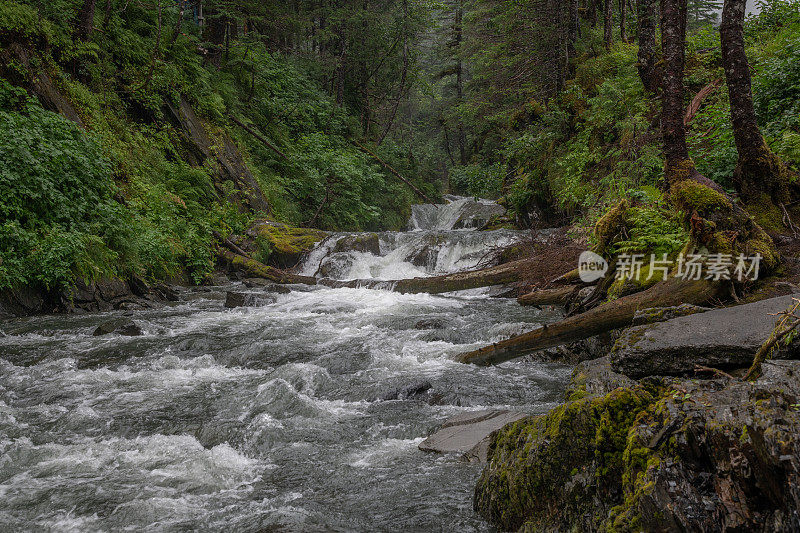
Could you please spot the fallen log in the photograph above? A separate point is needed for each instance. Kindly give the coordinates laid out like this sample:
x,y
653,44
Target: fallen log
x,y
472,279
557,296
257,269
610,315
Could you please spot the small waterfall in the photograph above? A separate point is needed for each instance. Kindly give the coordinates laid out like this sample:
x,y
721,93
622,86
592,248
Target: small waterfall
x,y
441,239
458,213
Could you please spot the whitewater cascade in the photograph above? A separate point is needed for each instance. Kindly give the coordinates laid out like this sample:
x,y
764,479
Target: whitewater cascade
x,y
441,239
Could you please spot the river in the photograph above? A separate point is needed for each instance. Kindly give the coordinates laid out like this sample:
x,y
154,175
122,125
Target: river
x,y
280,417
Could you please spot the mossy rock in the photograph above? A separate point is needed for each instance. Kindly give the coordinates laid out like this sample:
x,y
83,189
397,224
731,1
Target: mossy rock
x,y
549,472
665,455
287,243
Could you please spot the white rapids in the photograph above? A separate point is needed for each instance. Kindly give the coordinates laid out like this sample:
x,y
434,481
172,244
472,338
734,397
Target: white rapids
x,y
282,417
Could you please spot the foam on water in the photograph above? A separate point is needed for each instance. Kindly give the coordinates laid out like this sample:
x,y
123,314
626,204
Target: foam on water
x,y
264,418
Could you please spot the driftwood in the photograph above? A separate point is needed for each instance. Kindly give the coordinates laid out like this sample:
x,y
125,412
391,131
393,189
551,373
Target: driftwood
x,y
260,270
697,101
610,315
557,296
472,279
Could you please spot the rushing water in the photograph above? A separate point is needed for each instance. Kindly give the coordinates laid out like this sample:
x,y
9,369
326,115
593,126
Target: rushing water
x,y
262,418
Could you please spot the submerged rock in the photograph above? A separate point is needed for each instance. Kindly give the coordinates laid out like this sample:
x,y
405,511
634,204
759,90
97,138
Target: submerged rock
x,y
660,455
120,326
246,299
469,433
266,285
413,390
722,338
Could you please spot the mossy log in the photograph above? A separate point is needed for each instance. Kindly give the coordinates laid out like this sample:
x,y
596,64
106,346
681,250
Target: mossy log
x,y
557,296
260,270
472,279
610,315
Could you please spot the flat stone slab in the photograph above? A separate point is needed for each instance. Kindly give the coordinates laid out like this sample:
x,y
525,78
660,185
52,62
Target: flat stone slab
x,y
722,338
468,433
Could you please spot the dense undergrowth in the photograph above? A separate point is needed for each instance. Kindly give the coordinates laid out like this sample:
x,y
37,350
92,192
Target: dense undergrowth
x,y
597,141
121,195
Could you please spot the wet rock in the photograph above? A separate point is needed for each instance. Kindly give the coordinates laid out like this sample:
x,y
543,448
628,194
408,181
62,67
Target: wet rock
x,y
659,314
363,242
477,214
121,326
220,278
722,338
165,292
244,299
660,455
430,323
407,392
110,289
469,433
573,353
138,286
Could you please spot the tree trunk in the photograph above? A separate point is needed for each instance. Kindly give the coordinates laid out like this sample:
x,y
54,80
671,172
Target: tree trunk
x,y
593,12
610,315
648,71
85,22
716,224
259,270
460,136
557,296
608,15
623,13
572,36
759,171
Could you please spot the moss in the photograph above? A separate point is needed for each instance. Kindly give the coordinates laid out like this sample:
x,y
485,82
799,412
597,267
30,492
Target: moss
x,y
690,196
765,213
290,240
574,454
609,226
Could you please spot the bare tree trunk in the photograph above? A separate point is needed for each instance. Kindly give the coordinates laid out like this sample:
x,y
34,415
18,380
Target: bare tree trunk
x,y
623,13
593,12
758,171
177,30
648,71
673,37
85,22
572,29
608,14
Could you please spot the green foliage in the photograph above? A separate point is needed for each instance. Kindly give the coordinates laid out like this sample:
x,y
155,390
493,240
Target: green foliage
x,y
480,181
653,230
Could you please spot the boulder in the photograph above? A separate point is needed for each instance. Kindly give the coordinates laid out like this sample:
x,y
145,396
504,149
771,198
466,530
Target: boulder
x,y
722,338
245,299
468,433
662,455
368,243
595,377
430,323
120,326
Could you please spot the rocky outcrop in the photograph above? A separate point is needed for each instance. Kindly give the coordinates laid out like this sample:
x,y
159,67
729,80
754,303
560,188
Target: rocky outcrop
x,y
469,433
287,244
659,455
723,338
202,142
